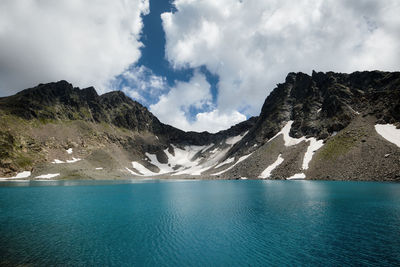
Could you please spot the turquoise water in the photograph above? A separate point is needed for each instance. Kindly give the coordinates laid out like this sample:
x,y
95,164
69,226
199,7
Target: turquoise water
x,y
197,223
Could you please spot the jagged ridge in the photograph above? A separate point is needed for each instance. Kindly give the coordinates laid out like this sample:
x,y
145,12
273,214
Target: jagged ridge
x,y
340,109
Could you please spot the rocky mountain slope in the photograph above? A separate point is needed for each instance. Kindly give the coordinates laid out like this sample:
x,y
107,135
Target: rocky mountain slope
x,y
323,126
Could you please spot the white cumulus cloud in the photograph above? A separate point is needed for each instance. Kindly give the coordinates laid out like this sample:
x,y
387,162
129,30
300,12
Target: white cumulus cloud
x,y
252,45
215,121
84,42
174,108
140,83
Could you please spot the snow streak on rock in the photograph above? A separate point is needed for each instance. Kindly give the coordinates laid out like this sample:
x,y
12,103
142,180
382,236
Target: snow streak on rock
x,y
233,140
227,161
231,167
267,172
289,141
314,146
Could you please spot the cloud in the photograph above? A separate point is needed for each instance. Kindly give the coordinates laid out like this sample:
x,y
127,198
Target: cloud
x,y
140,83
252,45
84,42
249,45
184,98
215,121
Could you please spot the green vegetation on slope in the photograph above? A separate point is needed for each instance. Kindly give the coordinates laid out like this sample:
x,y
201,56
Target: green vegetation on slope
x,y
341,143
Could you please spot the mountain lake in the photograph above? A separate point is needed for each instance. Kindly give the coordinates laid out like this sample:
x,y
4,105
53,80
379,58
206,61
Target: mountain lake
x,y
199,223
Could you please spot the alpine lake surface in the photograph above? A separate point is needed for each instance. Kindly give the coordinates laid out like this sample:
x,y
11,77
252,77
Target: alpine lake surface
x,y
199,223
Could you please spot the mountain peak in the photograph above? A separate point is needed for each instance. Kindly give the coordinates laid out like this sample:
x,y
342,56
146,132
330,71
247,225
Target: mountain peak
x,y
324,103
117,98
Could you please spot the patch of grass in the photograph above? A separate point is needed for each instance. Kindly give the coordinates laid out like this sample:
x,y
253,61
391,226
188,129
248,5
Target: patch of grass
x,y
85,113
124,130
105,125
23,161
272,145
341,144
6,144
42,121
11,121
18,150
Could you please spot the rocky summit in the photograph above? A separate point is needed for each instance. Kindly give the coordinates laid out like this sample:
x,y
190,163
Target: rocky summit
x,y
325,126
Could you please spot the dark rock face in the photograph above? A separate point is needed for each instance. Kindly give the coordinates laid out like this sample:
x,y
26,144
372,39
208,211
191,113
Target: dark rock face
x,y
62,101
327,102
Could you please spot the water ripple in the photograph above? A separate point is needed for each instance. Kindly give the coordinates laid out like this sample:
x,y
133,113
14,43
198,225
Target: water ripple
x,y
213,223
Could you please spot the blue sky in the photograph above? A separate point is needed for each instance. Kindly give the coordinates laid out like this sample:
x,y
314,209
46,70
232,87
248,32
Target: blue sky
x,y
197,65
153,58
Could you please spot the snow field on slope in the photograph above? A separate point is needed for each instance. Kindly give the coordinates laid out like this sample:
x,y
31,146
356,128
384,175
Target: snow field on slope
x,y
389,132
184,158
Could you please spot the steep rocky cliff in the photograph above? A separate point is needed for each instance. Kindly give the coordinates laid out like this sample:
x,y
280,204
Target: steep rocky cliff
x,y
342,111
323,126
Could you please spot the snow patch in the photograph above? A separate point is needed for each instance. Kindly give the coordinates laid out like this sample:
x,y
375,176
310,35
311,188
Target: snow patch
x,y
289,141
297,176
207,147
389,132
215,150
196,170
243,178
132,172
314,146
199,168
143,170
164,168
20,175
73,160
24,174
184,157
231,167
100,168
227,161
185,160
48,176
233,140
69,150
267,172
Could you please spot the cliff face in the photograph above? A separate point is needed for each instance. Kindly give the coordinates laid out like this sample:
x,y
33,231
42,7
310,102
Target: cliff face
x,y
342,111
330,117
327,102
61,101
